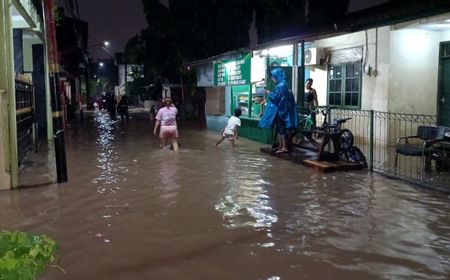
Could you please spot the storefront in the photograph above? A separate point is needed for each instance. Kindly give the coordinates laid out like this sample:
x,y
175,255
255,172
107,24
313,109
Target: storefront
x,y
236,74
227,85
238,80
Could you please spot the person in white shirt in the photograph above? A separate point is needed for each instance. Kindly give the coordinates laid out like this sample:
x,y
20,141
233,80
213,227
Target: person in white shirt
x,y
166,121
230,130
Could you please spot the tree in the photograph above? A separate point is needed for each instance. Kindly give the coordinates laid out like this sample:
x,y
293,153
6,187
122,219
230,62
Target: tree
x,y
184,31
279,19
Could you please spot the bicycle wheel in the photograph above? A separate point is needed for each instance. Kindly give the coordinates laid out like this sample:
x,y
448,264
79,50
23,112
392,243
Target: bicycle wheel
x,y
345,140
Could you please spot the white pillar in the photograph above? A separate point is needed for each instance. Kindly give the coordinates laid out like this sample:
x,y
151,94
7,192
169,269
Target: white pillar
x,y
5,179
48,99
7,81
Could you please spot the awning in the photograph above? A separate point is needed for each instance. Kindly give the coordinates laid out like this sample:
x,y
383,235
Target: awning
x,y
25,16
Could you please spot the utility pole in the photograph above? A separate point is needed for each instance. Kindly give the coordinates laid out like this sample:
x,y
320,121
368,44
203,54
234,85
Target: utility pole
x,y
57,114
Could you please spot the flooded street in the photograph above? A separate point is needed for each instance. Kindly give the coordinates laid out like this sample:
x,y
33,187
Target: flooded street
x,y
133,211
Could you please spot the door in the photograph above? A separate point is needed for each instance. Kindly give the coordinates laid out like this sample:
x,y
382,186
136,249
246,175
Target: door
x,y
444,85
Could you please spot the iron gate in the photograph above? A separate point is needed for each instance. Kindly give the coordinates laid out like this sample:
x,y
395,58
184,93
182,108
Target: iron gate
x,y
24,118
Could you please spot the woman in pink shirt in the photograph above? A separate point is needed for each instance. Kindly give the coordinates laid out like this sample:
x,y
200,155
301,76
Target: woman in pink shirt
x,y
166,119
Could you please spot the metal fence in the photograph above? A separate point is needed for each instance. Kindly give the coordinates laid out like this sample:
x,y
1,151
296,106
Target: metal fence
x,y
376,134
24,118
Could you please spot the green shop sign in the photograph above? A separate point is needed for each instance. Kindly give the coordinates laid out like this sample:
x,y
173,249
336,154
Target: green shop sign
x,y
235,71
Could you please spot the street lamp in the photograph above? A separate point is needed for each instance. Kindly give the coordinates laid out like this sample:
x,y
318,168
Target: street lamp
x,y
104,44
101,64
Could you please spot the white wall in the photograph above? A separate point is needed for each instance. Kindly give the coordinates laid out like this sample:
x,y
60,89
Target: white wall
x,y
122,75
28,43
374,89
445,35
407,68
414,71
215,100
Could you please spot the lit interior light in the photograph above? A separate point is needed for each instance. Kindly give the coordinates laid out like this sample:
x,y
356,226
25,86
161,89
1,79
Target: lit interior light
x,y
282,51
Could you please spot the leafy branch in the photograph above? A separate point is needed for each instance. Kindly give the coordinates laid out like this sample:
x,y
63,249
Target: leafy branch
x,y
23,256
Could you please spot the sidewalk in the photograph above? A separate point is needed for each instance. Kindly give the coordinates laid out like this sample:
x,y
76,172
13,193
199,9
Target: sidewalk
x,y
38,168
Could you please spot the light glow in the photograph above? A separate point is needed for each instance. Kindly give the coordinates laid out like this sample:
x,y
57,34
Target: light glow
x,y
437,26
283,51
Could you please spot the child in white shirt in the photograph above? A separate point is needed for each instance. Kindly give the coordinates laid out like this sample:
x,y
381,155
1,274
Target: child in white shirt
x,y
230,130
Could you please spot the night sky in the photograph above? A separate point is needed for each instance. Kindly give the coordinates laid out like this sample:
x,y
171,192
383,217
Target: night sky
x,y
118,20
113,20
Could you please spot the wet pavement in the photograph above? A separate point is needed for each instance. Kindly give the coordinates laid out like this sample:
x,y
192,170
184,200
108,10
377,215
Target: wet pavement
x,y
133,211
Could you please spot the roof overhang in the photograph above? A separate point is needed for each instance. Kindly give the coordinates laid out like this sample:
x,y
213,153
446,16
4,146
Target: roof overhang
x,y
24,16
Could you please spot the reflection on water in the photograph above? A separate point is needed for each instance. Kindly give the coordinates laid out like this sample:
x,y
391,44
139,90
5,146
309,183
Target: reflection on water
x,y
110,168
134,211
167,183
246,201
107,156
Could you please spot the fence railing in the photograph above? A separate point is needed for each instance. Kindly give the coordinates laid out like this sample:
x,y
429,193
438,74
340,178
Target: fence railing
x,y
24,118
376,134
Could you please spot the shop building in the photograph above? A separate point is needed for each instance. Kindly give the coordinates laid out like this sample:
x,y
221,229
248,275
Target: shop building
x,y
386,67
237,80
72,38
26,116
385,58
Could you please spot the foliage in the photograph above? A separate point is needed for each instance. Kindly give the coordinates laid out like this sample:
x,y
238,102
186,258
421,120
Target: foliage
x,y
92,87
100,85
137,87
182,31
23,255
58,14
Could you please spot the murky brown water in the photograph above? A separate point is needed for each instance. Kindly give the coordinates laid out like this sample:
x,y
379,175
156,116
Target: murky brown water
x,y
133,211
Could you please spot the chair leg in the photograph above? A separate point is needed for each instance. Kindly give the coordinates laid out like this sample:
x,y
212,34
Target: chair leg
x,y
422,167
396,160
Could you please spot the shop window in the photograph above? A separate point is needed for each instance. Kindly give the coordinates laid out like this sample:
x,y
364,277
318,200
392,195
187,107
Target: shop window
x,y
241,99
344,85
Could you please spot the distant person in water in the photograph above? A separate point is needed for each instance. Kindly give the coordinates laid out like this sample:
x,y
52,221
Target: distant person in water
x,y
122,108
230,130
166,121
152,113
111,105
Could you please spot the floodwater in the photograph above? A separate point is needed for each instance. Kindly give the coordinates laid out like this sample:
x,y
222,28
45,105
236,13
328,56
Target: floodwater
x,y
134,211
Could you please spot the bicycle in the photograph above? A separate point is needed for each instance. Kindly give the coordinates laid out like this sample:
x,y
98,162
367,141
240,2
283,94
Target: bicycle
x,y
325,138
345,135
305,129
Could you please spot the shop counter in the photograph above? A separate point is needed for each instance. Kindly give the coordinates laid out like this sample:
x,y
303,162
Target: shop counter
x,y
250,129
